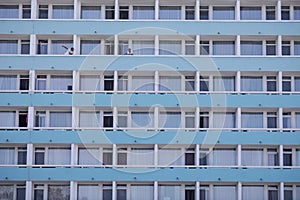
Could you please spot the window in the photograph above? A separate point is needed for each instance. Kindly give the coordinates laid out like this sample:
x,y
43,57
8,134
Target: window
x,y
88,191
122,119
13,155
252,120
286,48
204,13
26,12
124,12
204,83
60,82
59,156
203,157
122,83
90,47
252,192
204,192
22,156
271,48
42,47
90,82
296,12
109,48
224,157
225,192
43,11
122,156
58,192
141,47
189,13
251,13
189,192
273,193
9,11
60,119
170,120
24,82
169,83
89,119
143,83
285,13
270,13
8,82
23,118
223,83
109,12
204,120
189,157
88,156
271,120
297,120
8,46
287,157
271,84
189,120
90,12
273,159
57,46
189,48
224,120
288,193
107,120
287,122
7,119
25,46
170,48
123,47
121,192
204,48
12,191
223,13
223,48
251,83
62,12
143,12
189,83
141,156
142,119
169,192
286,84
252,157
145,191
251,48
170,12
107,192
108,83
40,119
296,48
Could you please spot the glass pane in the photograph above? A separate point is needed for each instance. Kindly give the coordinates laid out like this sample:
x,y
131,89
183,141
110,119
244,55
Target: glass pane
x,y
141,157
90,83
169,120
251,83
88,156
8,46
143,83
223,48
224,157
58,192
169,83
169,192
170,12
223,13
143,47
107,194
22,157
251,48
90,47
297,48
86,192
169,48
89,119
90,12
7,119
252,120
142,120
21,193
61,83
223,84
297,120
169,157
146,192
9,11
224,192
62,12
8,82
57,46
59,156
252,157
60,119
7,156
253,192
296,12
224,120
250,13
143,12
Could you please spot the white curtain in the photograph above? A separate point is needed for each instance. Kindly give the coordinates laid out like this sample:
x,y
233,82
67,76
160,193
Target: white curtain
x,y
253,192
145,192
141,157
297,80
252,120
143,47
170,83
170,157
252,157
251,48
63,12
90,12
60,82
251,83
298,158
89,82
7,119
223,48
251,13
7,156
223,13
225,193
58,192
223,84
170,120
170,47
89,119
59,156
143,12
89,156
224,157
8,82
90,47
142,120
143,83
8,46
56,46
170,12
167,192
88,192
224,120
60,119
9,11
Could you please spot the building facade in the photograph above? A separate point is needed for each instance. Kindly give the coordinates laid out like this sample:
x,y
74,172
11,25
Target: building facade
x,y
206,106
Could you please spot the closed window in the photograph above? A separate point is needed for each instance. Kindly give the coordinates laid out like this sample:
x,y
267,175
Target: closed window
x,y
90,12
170,12
253,192
8,46
170,120
223,13
60,119
251,48
223,48
285,13
251,13
169,48
9,11
251,83
252,120
270,13
143,12
63,12
90,47
252,157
